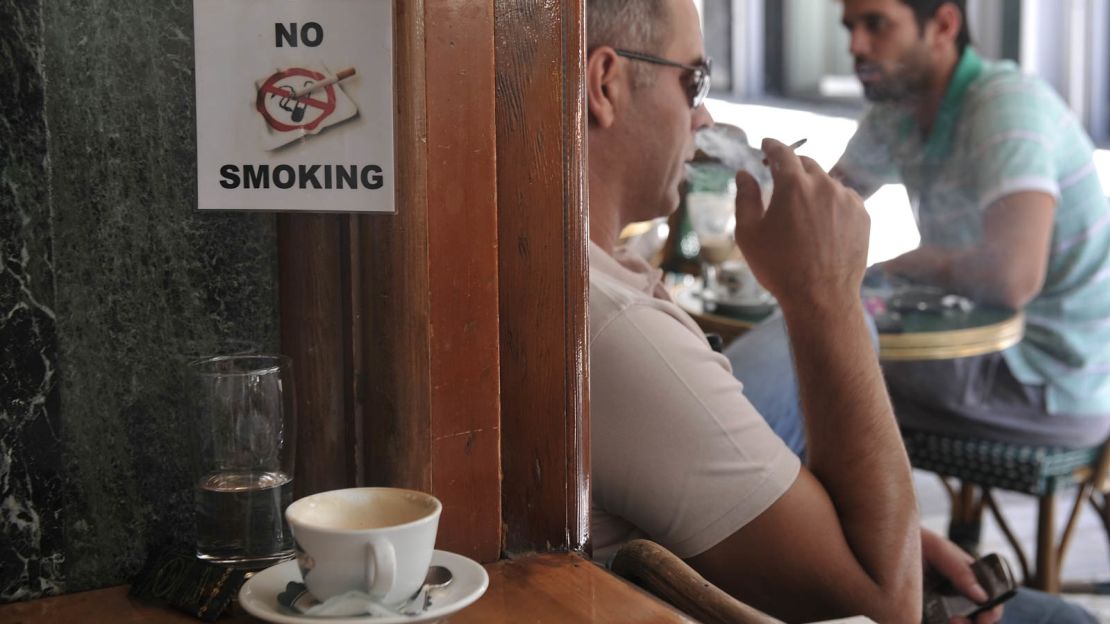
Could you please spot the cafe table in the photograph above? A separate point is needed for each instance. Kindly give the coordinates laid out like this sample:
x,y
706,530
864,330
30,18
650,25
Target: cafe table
x,y
540,588
918,335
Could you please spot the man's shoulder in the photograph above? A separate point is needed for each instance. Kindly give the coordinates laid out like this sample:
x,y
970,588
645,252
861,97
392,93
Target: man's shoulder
x,y
1004,82
610,299
608,291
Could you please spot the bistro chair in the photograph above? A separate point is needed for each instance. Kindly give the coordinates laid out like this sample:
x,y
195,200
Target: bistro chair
x,y
980,466
662,574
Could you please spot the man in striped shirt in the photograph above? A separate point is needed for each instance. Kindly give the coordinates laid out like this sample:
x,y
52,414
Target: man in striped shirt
x,y
1011,213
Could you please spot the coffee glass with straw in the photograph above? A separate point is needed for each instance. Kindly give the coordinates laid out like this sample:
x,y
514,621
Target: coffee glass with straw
x,y
723,150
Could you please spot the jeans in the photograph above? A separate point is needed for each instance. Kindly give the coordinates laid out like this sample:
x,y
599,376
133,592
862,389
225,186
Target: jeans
x,y
761,360
1033,607
979,396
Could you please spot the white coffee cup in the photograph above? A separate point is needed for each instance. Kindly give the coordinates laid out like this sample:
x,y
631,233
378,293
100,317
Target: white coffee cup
x,y
373,540
737,284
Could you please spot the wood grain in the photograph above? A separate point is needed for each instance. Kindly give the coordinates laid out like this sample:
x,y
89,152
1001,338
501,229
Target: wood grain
x,y
430,293
558,588
543,589
315,333
541,197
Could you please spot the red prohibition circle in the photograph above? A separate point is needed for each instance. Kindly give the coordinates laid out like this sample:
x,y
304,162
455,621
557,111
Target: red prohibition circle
x,y
269,88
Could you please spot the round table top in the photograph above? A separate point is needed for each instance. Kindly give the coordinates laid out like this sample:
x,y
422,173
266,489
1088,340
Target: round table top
x,y
917,336
932,336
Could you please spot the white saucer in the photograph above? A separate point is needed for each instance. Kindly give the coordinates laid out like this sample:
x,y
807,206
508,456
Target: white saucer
x,y
469,581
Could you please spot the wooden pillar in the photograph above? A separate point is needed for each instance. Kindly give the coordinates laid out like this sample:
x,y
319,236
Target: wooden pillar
x,y
415,333
316,334
430,292
543,268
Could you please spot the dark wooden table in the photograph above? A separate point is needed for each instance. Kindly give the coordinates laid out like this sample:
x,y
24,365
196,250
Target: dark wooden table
x,y
555,588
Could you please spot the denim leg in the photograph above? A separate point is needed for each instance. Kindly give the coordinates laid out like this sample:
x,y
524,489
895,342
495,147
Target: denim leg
x,y
1033,607
761,360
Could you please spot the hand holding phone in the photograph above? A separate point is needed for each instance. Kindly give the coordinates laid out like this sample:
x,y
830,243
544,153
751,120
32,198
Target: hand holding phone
x,y
943,601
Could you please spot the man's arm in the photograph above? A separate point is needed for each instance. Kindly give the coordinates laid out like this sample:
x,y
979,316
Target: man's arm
x,y
1006,268
865,190
844,539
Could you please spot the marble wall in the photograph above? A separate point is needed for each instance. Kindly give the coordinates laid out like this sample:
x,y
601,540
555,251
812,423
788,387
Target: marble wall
x,y
110,279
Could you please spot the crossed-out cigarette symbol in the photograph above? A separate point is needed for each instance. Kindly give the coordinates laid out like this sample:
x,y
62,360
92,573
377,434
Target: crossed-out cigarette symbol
x,y
296,100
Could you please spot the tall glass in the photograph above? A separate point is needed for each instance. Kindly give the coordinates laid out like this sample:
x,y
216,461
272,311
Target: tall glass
x,y
246,442
711,208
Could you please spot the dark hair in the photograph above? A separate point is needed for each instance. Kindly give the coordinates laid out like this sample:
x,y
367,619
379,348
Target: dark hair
x,y
924,10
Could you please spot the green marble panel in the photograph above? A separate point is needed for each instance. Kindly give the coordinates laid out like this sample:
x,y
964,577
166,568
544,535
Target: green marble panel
x,y
32,552
140,280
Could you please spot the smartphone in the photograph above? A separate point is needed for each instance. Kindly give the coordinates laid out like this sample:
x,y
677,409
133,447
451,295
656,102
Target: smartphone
x,y
943,601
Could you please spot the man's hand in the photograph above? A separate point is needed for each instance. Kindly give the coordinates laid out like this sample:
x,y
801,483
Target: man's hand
x,y
952,563
810,244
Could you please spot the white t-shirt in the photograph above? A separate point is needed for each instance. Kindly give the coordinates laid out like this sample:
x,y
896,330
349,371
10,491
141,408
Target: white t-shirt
x,y
678,453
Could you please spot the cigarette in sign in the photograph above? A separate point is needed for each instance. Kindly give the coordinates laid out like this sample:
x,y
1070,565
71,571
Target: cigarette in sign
x,y
340,75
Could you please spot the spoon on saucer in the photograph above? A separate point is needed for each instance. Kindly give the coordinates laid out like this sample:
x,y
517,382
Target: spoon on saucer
x,y
438,577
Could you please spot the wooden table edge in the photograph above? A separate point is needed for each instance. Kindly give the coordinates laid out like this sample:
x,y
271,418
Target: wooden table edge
x,y
563,585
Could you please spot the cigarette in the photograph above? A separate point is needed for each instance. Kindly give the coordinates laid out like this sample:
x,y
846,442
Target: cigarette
x,y
340,75
793,146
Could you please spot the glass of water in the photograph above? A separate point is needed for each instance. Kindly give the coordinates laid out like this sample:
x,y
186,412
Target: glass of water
x,y
246,442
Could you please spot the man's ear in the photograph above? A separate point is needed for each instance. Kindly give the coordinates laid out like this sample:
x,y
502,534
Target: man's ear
x,y
604,85
947,22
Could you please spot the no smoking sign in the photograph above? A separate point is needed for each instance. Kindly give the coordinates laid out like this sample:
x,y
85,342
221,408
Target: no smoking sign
x,y
284,111
285,121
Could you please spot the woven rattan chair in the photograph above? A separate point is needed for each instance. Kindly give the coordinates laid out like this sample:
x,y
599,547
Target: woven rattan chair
x,y
979,466
664,575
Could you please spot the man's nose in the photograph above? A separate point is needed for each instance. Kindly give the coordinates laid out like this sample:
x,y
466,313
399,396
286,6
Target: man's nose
x,y
859,44
700,118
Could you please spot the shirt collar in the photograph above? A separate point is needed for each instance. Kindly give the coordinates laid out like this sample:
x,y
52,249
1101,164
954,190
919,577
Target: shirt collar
x,y
940,137
629,268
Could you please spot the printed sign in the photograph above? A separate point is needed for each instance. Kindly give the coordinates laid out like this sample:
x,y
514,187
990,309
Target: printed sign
x,y
294,105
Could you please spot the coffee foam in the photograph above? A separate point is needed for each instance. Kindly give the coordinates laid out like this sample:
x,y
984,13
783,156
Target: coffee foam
x,y
355,511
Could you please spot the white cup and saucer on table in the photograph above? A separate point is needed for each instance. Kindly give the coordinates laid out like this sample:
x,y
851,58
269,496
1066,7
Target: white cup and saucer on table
x,y
736,290
364,555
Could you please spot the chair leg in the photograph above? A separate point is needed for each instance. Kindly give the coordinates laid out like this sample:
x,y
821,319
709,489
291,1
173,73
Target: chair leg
x,y
1101,502
1019,550
1047,577
966,521
1085,492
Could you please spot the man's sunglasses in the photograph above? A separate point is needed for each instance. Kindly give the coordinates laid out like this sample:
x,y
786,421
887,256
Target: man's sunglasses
x,y
697,86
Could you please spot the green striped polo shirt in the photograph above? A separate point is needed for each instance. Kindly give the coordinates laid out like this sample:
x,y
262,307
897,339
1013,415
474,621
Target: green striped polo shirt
x,y
999,132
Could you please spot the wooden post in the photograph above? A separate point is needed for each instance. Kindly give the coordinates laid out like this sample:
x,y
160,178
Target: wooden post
x,y
543,266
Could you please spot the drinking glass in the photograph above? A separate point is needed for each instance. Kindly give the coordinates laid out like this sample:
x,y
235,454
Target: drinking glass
x,y
711,208
246,432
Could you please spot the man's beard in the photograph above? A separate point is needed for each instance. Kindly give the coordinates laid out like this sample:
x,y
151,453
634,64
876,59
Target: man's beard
x,y
906,83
